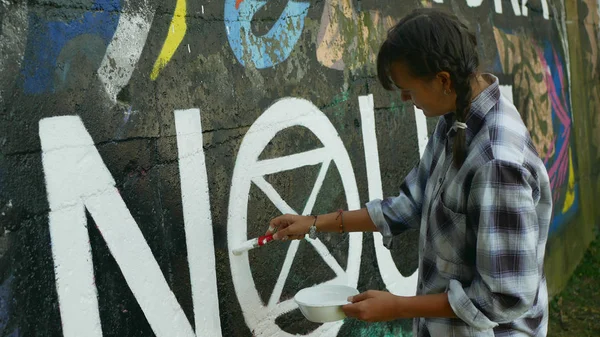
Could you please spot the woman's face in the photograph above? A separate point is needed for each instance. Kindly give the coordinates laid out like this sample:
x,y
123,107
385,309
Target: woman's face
x,y
427,95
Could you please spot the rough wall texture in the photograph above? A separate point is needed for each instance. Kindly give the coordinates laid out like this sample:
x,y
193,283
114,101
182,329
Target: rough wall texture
x,y
140,141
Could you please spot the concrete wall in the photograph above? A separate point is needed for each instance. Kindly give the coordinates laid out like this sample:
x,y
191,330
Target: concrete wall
x,y
141,140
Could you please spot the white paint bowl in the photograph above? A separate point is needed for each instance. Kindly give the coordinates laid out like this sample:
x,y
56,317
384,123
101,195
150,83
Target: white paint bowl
x,y
323,303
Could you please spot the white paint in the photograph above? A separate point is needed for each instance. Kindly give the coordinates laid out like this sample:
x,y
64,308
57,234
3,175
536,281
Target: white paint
x,y
189,50
227,29
524,9
123,52
76,178
515,6
197,217
438,1
498,6
394,281
246,246
546,11
284,114
202,9
474,3
422,135
507,91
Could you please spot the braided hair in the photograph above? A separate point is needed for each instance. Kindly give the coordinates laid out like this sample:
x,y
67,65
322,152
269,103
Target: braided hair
x,y
430,41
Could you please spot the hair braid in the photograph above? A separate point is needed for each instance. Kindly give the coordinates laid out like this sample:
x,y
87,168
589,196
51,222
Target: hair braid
x,y
462,86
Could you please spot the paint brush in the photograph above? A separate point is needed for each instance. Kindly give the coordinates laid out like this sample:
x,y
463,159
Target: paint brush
x,y
251,244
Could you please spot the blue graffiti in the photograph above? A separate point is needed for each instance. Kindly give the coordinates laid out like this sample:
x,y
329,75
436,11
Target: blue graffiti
x,y
6,307
47,37
272,48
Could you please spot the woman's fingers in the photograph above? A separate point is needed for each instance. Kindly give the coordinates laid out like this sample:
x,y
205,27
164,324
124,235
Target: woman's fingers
x,y
278,223
288,227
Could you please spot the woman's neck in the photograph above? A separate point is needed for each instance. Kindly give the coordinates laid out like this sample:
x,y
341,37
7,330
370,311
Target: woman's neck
x,y
478,85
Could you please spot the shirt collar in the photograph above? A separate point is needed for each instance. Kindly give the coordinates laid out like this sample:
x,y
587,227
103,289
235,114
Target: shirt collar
x,y
480,106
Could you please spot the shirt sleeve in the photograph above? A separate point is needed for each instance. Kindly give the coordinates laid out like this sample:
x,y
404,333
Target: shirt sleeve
x,y
502,208
394,215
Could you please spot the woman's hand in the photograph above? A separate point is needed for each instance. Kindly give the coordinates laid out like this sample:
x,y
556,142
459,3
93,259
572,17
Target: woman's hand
x,y
374,306
290,226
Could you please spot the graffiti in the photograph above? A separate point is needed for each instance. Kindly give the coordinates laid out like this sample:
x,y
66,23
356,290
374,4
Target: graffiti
x,y
6,305
540,94
201,183
125,48
394,281
270,49
520,58
591,54
249,169
74,162
519,7
45,68
350,39
198,222
76,180
175,35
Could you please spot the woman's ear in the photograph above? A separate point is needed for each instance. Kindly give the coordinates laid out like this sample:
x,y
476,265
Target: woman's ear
x,y
443,77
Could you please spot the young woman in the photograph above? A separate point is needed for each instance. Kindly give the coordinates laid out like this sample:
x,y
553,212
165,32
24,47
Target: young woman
x,y
480,195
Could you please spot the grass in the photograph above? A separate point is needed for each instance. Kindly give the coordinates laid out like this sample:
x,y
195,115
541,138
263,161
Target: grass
x,y
576,310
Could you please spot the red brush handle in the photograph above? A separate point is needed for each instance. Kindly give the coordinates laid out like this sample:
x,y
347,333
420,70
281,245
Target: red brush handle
x,y
262,240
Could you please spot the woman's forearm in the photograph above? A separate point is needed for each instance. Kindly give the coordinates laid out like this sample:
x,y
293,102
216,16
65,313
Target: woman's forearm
x,y
353,221
434,305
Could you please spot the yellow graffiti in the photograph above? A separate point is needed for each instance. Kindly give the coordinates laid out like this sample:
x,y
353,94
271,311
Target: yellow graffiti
x,y
570,197
176,33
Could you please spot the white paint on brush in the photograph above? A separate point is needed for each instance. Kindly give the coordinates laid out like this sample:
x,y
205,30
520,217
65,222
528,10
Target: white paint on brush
x,y
246,246
76,179
195,198
394,281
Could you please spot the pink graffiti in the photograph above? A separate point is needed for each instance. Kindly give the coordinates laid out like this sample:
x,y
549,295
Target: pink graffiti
x,y
559,169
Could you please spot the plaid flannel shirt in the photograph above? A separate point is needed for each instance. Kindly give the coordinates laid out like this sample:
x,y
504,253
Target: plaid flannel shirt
x,y
483,227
